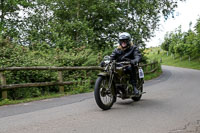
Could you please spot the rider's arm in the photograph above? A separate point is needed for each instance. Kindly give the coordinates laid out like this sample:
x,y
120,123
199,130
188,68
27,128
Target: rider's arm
x,y
113,56
137,56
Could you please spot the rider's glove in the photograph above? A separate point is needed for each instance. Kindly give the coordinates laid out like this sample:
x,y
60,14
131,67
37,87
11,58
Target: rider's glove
x,y
133,62
102,64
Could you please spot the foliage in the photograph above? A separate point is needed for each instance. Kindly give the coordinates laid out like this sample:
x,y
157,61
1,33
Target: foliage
x,y
9,15
166,43
180,49
15,55
183,43
95,23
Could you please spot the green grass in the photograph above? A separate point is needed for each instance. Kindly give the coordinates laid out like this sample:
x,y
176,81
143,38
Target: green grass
x,y
52,95
171,61
8,101
153,75
185,63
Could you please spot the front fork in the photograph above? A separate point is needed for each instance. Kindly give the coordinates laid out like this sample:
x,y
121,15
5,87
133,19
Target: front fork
x,y
111,85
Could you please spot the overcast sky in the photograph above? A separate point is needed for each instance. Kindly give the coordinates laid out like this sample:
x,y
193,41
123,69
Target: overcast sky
x,y
186,12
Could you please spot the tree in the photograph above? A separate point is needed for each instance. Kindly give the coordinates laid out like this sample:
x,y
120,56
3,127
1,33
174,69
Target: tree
x,y
95,23
197,39
189,50
9,16
103,18
167,41
180,49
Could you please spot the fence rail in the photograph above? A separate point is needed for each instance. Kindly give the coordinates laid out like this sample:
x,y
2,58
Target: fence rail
x,y
4,87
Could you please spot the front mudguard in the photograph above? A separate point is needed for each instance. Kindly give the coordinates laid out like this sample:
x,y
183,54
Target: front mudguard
x,y
104,74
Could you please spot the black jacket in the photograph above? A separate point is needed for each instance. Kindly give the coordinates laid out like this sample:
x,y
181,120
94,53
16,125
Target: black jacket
x,y
131,53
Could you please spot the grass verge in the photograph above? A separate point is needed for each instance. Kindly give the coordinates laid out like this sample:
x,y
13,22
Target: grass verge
x,y
177,61
52,95
153,75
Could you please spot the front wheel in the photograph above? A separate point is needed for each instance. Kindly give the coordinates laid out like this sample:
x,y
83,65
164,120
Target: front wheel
x,y
103,94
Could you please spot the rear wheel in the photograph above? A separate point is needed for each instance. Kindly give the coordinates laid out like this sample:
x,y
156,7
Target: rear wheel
x,y
103,95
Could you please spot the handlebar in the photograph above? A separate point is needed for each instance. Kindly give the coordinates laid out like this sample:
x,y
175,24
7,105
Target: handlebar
x,y
124,62
120,63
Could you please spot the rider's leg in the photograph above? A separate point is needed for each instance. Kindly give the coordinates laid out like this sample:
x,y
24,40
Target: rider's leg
x,y
132,72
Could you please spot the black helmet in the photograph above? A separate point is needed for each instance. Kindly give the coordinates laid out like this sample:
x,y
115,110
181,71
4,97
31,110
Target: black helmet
x,y
125,37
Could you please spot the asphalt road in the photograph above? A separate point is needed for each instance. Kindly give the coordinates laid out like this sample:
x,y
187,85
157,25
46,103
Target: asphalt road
x,y
171,105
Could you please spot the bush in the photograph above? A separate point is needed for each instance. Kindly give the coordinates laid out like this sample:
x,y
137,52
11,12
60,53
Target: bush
x,y
15,55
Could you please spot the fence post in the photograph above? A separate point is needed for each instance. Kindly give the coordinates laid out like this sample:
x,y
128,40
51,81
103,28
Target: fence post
x,y
3,82
60,79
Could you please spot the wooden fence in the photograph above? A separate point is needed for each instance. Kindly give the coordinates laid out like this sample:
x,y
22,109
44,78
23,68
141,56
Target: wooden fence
x,y
4,87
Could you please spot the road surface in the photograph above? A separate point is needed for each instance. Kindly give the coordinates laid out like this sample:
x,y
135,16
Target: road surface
x,y
171,105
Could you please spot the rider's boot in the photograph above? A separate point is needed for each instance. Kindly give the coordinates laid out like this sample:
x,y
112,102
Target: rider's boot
x,y
135,90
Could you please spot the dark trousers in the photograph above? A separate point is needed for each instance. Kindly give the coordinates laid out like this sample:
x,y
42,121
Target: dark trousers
x,y
131,70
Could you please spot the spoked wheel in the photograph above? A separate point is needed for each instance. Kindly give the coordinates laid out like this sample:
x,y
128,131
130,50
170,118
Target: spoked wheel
x,y
103,95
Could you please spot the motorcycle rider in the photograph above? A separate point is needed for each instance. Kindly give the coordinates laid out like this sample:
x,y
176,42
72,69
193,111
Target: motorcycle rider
x,y
127,51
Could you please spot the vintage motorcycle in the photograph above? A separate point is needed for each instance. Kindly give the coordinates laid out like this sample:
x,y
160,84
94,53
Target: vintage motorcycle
x,y
113,82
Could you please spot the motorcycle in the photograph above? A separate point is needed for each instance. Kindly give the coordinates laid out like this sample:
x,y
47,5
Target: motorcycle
x,y
113,82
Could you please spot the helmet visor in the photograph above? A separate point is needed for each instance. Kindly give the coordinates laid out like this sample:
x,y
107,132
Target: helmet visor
x,y
123,41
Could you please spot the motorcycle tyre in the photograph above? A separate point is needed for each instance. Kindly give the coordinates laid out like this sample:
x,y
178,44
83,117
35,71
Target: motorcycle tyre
x,y
97,95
